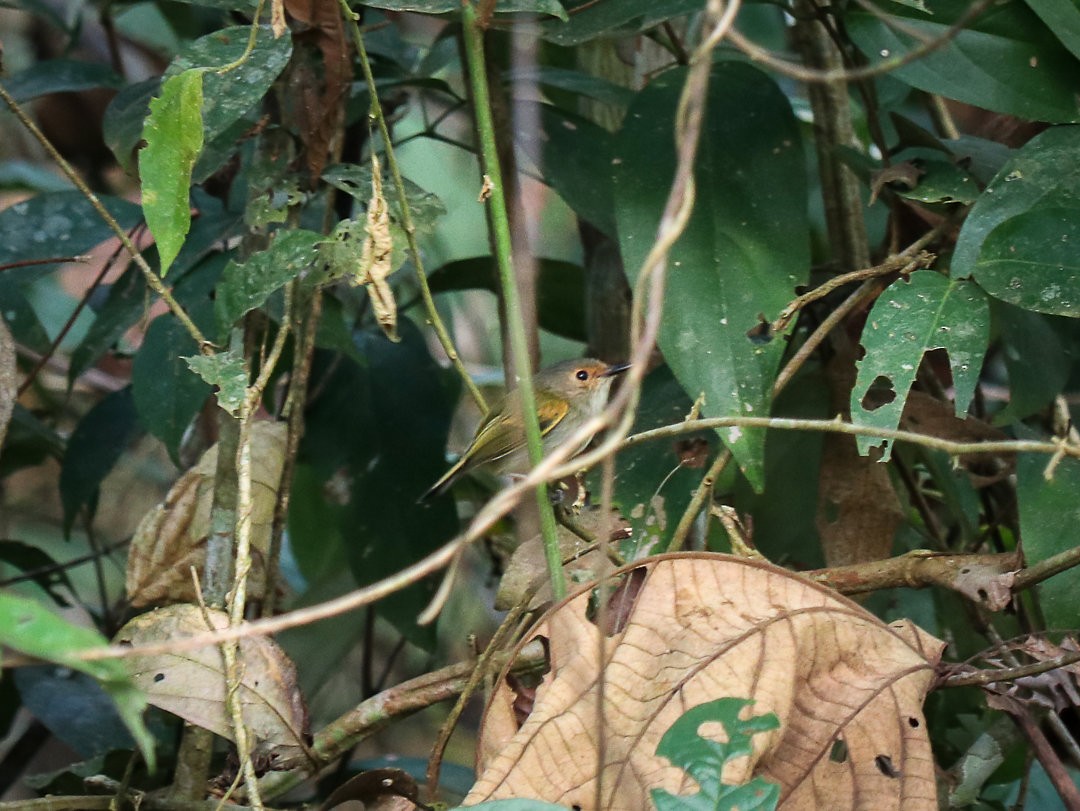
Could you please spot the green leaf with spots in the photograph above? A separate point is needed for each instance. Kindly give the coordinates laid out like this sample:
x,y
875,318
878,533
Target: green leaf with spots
x,y
704,758
230,95
174,139
64,224
1042,176
1032,261
247,286
923,312
745,249
33,630
228,372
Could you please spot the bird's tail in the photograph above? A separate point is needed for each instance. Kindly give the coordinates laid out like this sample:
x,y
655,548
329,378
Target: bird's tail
x,y
444,482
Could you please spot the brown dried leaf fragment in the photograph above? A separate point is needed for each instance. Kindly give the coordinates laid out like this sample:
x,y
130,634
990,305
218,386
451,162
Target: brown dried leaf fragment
x,y
709,626
172,537
191,684
925,414
376,257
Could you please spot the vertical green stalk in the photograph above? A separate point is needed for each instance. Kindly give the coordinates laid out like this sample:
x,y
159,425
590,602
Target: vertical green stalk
x,y
500,226
376,112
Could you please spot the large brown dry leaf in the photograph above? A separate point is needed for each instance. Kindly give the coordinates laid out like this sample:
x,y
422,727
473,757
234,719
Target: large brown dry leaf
x,y
191,684
847,689
171,538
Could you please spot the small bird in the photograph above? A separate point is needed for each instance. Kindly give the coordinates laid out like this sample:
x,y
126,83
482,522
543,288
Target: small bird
x,y
567,395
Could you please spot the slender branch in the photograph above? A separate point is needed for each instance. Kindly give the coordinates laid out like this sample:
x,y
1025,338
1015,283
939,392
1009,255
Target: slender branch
x,y
515,321
433,317
838,426
51,260
697,501
152,279
981,678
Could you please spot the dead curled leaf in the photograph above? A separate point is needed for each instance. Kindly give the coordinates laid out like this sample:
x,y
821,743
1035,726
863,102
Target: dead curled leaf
x,y
191,684
376,257
847,689
171,538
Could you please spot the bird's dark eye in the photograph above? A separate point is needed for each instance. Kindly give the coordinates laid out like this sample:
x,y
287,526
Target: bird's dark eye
x,y
582,374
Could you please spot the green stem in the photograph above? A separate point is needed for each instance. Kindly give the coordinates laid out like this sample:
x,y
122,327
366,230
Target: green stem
x,y
515,322
406,215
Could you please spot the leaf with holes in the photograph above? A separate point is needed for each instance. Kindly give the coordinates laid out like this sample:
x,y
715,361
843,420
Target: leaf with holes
x,y
704,758
681,630
925,311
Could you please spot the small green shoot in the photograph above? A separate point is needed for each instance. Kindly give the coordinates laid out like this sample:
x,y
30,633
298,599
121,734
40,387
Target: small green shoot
x,y
703,759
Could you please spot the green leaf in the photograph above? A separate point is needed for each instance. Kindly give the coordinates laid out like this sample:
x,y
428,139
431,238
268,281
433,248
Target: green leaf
x,y
124,118
1036,362
923,312
704,758
589,19
29,628
95,446
167,394
1031,260
228,96
745,249
64,224
1043,176
174,139
560,290
60,76
655,480
1063,18
1046,509
247,286
228,372
1006,60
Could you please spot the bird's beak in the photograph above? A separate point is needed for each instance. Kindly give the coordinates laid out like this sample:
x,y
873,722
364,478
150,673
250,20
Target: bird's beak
x,y
615,369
